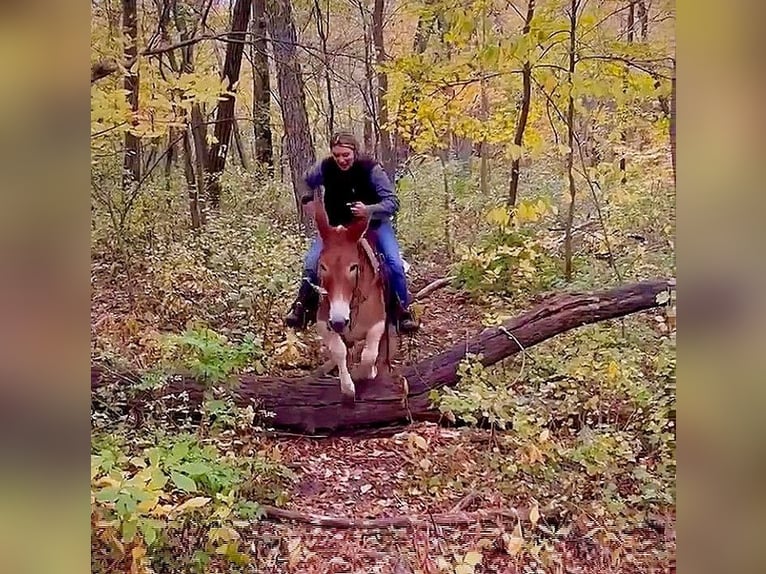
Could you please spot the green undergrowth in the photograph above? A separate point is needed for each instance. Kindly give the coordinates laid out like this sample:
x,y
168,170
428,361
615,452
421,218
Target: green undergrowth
x,y
169,495
584,426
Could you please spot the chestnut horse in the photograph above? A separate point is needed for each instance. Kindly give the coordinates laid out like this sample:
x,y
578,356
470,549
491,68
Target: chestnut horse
x,y
352,306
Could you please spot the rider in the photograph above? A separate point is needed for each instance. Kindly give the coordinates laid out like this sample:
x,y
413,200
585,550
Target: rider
x,y
354,186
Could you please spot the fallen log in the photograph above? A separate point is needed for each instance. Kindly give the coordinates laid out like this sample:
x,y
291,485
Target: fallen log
x,y
311,404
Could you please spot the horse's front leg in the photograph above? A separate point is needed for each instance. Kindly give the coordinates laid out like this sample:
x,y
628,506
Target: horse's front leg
x,y
369,359
338,351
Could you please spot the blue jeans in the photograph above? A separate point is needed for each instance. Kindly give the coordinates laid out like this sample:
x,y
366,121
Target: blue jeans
x,y
388,247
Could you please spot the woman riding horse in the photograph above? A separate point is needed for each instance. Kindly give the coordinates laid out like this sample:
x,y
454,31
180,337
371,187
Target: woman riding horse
x,y
354,186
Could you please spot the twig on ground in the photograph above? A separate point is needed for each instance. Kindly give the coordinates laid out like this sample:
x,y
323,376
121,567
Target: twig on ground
x,y
465,502
433,286
401,521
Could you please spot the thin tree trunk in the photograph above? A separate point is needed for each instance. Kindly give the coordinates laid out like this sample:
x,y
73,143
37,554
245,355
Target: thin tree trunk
x,y
483,151
199,137
298,147
526,100
195,145
171,157
643,18
570,143
191,181
386,155
673,122
132,159
322,28
371,123
225,116
241,151
264,147
623,134
448,244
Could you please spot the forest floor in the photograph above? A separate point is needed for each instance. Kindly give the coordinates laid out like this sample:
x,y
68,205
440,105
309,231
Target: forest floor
x,y
464,517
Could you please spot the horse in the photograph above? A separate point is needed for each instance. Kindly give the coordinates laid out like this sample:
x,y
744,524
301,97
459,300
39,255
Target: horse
x,y
352,300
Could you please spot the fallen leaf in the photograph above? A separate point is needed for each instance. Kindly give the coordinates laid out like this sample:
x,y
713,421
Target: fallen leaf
x,y
534,515
473,558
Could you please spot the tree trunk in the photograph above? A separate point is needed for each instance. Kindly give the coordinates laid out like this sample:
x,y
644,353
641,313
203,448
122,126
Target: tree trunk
x,y
132,159
643,18
199,137
322,28
298,147
241,150
312,405
191,181
225,116
623,134
386,155
195,131
673,122
570,143
371,123
264,147
526,100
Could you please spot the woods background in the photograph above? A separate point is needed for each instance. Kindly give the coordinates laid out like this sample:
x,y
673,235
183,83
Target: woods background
x,y
533,149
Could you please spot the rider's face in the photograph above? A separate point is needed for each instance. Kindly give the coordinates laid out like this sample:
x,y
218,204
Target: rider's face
x,y
344,156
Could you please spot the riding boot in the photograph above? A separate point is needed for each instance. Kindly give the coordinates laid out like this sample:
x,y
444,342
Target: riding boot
x,y
303,310
407,323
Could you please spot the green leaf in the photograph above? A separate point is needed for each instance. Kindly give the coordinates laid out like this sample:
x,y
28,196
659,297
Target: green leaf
x,y
129,528
180,450
154,456
158,480
183,482
108,494
148,532
195,468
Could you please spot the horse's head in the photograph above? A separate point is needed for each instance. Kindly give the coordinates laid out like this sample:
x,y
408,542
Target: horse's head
x,y
340,265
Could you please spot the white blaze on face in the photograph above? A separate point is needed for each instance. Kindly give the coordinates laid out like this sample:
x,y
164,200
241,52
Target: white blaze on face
x,y
340,310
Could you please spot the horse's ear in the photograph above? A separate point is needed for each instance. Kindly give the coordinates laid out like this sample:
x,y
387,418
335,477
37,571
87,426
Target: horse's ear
x,y
358,228
320,216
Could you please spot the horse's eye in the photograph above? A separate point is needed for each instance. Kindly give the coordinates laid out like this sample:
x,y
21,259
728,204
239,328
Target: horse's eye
x,y
354,267
322,268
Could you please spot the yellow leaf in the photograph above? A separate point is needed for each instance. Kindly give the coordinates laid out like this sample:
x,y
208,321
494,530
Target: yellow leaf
x,y
514,542
419,441
196,502
464,569
545,435
147,505
612,370
515,151
499,216
534,515
473,558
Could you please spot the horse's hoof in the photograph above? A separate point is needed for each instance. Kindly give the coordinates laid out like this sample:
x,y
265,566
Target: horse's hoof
x,y
347,398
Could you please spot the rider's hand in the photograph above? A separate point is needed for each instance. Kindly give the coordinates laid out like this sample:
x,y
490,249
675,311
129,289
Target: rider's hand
x,y
359,209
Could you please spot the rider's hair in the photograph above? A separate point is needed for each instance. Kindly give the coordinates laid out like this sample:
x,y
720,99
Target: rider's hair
x,y
345,139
